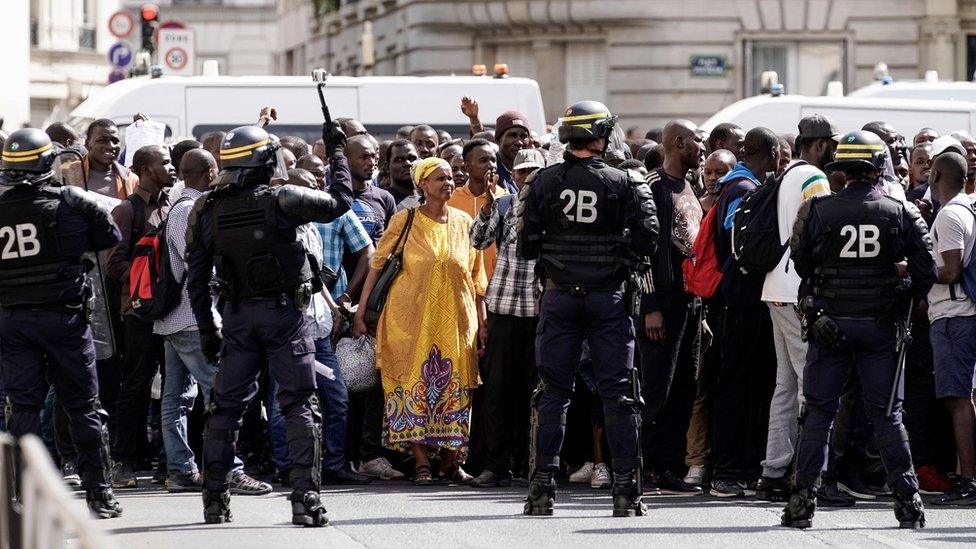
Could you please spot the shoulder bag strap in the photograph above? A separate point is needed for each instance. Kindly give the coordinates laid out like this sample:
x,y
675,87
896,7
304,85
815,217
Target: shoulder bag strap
x,y
401,240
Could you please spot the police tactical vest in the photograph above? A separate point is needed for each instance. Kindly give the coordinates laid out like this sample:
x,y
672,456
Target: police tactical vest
x,y
584,243
252,256
32,270
857,275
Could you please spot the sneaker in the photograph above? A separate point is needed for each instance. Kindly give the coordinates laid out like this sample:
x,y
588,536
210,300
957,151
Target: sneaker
x,y
931,482
961,494
600,479
343,476
649,486
381,469
583,475
184,482
123,476
671,483
490,479
773,489
243,485
696,475
727,489
749,488
69,474
160,474
830,495
853,486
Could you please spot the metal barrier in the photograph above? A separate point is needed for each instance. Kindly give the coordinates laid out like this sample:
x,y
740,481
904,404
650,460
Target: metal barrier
x,y
44,516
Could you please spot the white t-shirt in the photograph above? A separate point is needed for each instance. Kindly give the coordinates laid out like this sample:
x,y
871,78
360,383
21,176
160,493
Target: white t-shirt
x,y
954,228
801,183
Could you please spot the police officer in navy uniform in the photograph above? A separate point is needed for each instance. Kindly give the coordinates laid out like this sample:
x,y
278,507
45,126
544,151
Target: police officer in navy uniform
x,y
247,231
846,248
44,331
585,222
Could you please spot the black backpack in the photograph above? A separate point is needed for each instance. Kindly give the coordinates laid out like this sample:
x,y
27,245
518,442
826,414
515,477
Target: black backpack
x,y
756,245
153,289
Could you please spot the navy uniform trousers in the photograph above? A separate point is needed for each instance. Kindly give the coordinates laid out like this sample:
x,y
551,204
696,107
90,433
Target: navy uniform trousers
x,y
870,350
263,333
41,346
565,321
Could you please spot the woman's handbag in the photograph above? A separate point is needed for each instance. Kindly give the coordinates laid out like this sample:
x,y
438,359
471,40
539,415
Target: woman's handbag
x,y
392,268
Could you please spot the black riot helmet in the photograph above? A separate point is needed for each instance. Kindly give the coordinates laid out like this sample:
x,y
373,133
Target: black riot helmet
x,y
247,147
586,121
859,151
28,156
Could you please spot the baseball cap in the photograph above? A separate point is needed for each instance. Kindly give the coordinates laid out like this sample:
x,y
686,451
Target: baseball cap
x,y
529,158
818,126
947,143
508,120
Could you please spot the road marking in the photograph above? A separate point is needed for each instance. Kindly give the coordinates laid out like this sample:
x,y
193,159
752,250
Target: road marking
x,y
863,530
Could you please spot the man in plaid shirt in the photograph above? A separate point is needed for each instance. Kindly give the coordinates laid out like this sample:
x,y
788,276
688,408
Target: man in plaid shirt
x,y
512,299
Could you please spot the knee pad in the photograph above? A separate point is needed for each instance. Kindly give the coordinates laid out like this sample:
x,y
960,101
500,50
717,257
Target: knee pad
x,y
313,472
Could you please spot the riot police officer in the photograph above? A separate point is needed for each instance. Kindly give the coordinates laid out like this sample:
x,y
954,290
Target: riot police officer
x,y
846,247
246,230
44,234
585,222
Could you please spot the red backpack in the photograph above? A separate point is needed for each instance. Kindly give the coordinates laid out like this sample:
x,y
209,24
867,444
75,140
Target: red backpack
x,y
702,272
153,290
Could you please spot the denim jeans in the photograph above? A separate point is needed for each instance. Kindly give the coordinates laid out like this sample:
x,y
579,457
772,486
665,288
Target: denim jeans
x,y
186,369
333,405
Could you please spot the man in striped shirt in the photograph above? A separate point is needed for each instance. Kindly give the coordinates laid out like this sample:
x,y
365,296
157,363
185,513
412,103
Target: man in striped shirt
x,y
803,180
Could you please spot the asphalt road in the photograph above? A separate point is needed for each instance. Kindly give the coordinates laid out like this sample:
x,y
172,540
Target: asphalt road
x,y
398,514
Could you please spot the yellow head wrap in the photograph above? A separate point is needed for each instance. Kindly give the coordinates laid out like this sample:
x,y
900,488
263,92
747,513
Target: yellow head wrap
x,y
425,167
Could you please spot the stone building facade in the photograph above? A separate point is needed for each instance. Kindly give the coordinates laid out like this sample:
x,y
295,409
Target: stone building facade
x,y
649,60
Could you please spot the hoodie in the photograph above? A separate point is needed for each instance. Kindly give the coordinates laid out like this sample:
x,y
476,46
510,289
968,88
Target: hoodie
x,y
737,289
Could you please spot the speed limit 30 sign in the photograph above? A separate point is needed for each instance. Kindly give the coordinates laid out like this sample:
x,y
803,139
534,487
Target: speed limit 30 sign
x,y
176,51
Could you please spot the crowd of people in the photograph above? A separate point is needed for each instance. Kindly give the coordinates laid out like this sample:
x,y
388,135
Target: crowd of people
x,y
435,383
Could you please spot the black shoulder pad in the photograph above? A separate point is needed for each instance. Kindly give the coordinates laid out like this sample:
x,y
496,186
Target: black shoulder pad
x,y
75,197
191,222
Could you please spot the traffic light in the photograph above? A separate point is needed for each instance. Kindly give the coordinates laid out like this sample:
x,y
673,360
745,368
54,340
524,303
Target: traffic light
x,y
149,16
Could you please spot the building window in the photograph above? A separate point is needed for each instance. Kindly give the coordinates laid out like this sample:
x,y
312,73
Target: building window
x,y
586,72
971,57
803,67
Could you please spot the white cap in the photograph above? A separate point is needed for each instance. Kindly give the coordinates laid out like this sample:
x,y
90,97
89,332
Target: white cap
x,y
947,143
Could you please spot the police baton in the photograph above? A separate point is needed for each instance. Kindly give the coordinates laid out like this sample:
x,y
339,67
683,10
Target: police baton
x,y
319,76
904,340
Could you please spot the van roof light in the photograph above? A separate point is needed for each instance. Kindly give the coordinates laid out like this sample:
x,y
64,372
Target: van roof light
x,y
880,70
766,81
835,88
501,70
776,90
479,70
931,76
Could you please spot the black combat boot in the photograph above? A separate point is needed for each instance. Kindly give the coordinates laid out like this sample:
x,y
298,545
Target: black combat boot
x,y
216,507
799,511
542,494
910,512
627,496
307,510
102,503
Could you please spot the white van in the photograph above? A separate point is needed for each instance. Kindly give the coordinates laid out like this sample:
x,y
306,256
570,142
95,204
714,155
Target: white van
x,y
919,89
196,105
782,114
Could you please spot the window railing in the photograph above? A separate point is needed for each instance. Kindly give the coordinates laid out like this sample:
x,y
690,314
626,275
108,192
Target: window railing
x,y
86,37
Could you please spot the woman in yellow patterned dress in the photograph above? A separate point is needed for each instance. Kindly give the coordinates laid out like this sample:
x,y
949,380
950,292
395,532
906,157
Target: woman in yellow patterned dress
x,y
432,328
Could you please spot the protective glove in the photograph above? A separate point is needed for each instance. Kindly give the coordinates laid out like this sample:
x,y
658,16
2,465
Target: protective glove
x,y
210,343
333,137
826,332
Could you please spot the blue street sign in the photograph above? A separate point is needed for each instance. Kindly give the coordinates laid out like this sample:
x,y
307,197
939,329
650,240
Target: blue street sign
x,y
120,54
